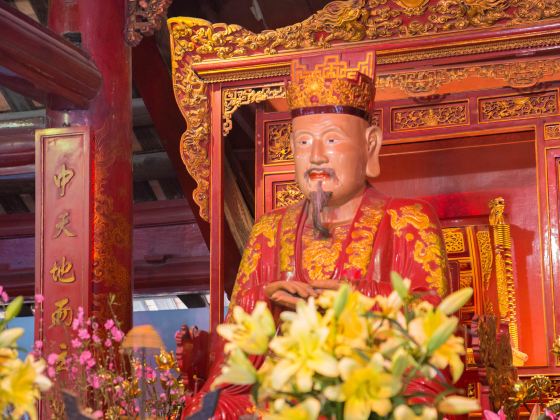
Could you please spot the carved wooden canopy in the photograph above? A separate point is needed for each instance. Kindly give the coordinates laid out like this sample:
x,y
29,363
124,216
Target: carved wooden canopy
x,y
435,35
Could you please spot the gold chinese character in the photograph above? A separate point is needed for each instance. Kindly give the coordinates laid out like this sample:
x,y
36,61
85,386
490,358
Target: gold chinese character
x,y
63,272
63,313
63,221
62,179
61,360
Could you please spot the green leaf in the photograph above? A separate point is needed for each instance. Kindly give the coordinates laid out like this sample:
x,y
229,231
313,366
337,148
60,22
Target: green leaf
x,y
341,300
13,309
398,285
400,362
255,393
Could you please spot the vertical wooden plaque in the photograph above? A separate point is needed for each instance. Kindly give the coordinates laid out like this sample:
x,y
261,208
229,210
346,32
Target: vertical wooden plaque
x,y
63,231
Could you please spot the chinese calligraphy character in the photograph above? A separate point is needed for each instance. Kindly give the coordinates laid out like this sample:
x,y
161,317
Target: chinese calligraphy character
x,y
62,179
61,226
61,360
63,313
63,272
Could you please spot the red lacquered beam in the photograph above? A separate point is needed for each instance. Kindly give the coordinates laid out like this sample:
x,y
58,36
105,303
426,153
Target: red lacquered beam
x,y
44,62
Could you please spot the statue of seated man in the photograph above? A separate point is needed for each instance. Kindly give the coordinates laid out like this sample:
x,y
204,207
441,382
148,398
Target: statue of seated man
x,y
345,230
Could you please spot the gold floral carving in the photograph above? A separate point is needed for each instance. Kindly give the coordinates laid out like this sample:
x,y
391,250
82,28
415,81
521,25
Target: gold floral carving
x,y
232,99
518,106
112,231
465,280
486,259
286,194
413,7
191,96
376,118
454,241
421,82
357,20
435,116
144,17
278,147
517,74
552,131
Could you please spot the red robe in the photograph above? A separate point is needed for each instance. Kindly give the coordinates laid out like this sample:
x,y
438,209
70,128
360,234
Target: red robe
x,y
387,234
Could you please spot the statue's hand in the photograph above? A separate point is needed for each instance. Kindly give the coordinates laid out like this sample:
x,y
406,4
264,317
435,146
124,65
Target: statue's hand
x,y
322,285
288,293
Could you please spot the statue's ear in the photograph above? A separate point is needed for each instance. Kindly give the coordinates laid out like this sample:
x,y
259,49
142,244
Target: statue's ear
x,y
373,140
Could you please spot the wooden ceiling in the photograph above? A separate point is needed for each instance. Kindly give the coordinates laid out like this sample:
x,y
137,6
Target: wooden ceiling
x,y
155,178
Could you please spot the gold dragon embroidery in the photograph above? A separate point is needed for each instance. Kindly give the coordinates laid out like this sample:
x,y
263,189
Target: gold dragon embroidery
x,y
428,249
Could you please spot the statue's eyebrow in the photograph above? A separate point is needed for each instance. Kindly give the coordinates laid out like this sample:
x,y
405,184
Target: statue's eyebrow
x,y
330,127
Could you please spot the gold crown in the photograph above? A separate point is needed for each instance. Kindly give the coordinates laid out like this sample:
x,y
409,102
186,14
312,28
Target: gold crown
x,y
332,83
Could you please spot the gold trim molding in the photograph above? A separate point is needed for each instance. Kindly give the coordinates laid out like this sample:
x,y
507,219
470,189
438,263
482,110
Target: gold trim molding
x,y
416,82
505,282
490,46
516,74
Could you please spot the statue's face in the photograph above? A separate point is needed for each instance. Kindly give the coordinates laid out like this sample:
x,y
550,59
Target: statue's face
x,y
341,150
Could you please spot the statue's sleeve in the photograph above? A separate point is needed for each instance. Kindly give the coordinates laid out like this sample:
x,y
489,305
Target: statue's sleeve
x,y
255,270
418,247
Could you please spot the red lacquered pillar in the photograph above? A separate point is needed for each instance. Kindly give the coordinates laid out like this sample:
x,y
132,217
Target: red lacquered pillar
x,y
101,28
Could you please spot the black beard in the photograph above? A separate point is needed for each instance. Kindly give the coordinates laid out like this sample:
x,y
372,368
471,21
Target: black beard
x,y
318,201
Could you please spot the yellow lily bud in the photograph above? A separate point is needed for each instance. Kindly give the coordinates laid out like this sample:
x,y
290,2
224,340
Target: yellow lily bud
x,y
13,309
441,334
455,404
307,410
238,370
9,337
455,301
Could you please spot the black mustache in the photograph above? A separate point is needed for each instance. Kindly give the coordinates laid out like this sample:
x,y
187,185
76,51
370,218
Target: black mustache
x,y
329,171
